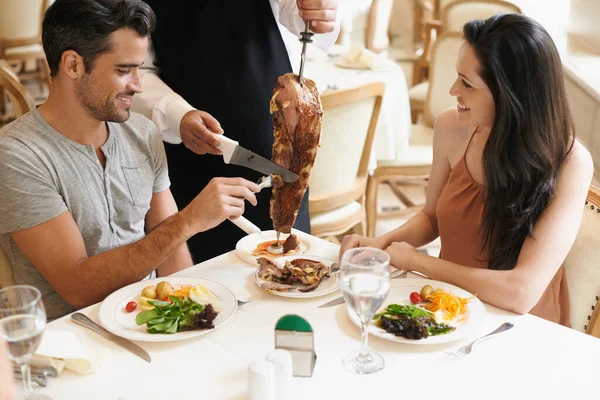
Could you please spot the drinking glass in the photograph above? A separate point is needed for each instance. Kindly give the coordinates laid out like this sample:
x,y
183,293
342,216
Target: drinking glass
x,y
22,322
365,282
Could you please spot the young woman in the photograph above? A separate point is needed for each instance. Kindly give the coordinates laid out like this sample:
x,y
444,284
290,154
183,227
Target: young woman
x,y
508,180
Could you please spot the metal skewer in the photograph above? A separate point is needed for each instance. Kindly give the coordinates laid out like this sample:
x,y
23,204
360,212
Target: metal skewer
x,y
305,37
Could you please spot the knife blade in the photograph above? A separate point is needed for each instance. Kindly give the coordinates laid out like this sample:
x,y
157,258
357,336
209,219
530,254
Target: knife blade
x,y
233,153
83,320
340,300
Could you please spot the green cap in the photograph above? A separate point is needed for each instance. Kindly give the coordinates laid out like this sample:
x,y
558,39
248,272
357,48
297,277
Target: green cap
x,y
293,323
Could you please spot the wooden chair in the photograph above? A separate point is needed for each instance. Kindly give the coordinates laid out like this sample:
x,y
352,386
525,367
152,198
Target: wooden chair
x,y
414,164
582,267
339,177
20,36
453,14
20,99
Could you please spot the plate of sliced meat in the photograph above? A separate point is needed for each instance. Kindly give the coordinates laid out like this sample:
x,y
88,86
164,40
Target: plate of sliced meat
x,y
264,244
297,276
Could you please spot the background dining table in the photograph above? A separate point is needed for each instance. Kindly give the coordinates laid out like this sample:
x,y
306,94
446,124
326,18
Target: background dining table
x,y
394,125
535,360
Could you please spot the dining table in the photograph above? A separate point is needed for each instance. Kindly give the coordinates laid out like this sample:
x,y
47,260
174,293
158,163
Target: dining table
x,y
330,72
536,359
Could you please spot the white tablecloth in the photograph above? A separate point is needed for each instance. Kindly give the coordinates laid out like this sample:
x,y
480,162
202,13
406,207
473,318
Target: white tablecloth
x,y
394,123
535,360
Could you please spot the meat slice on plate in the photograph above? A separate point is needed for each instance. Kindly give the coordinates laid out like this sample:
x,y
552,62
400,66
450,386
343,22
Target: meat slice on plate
x,y
297,115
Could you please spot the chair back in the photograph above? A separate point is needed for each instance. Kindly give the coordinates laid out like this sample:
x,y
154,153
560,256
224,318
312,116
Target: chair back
x,y
20,99
457,13
442,75
582,267
21,22
339,175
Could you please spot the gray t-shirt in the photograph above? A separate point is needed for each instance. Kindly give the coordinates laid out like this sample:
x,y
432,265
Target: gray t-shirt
x,y
43,174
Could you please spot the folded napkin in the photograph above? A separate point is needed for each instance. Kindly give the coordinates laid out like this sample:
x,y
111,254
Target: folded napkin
x,y
365,58
63,350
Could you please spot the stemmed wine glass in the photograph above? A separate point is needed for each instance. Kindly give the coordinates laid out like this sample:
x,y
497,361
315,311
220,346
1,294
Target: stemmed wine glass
x,y
22,322
365,282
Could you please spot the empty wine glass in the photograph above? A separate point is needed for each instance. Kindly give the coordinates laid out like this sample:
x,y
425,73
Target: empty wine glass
x,y
22,322
365,282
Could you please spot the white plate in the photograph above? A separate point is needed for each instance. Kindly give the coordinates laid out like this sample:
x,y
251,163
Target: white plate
x,y
399,294
345,63
329,284
112,314
246,246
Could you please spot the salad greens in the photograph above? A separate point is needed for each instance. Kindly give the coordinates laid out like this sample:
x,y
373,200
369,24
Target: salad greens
x,y
409,311
176,316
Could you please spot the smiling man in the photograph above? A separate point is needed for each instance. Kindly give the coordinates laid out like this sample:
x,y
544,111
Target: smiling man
x,y
84,188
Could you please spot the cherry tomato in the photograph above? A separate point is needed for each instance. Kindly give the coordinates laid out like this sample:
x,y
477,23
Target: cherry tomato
x,y
131,306
415,298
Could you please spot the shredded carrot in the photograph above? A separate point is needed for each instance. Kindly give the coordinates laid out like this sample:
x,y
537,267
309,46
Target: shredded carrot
x,y
451,305
182,292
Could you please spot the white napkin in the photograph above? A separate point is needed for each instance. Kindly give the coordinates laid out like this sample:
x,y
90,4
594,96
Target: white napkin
x,y
63,350
365,58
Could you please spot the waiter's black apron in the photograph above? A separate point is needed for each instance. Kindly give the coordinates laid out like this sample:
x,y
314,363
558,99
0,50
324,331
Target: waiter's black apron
x,y
223,57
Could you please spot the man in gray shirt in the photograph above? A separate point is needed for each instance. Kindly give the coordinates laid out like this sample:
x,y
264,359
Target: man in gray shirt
x,y
85,205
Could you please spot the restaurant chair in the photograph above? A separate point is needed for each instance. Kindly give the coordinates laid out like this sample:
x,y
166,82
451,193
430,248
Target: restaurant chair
x,y
453,15
582,267
413,165
20,36
338,179
20,99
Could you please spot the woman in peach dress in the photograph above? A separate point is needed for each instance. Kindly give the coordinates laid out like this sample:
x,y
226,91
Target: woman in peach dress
x,y
508,180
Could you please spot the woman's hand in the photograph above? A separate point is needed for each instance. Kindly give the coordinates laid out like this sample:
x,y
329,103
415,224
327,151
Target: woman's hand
x,y
352,241
401,254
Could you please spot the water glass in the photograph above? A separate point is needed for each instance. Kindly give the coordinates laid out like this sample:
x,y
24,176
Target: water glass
x,y
22,322
365,283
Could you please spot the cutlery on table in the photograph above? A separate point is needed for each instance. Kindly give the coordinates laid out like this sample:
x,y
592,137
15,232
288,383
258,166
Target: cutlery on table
x,y
40,379
83,320
465,350
394,275
48,371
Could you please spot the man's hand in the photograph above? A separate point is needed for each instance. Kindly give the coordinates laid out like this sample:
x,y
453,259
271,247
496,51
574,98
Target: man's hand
x,y
352,241
221,199
321,13
200,132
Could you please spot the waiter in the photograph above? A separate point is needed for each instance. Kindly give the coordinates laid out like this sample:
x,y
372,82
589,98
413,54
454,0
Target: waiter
x,y
212,70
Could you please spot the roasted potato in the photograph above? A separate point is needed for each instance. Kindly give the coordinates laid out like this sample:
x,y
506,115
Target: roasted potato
x,y
164,290
150,292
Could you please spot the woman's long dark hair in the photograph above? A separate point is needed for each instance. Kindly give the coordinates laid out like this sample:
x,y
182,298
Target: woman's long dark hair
x,y
532,133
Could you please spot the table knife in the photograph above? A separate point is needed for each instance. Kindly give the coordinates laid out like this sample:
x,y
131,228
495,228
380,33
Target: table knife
x,y
340,300
83,320
233,153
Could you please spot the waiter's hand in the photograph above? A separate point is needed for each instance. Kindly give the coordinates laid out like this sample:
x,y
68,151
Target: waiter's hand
x,y
221,199
322,14
200,132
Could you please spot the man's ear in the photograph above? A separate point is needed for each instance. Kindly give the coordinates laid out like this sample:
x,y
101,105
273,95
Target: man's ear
x,y
72,64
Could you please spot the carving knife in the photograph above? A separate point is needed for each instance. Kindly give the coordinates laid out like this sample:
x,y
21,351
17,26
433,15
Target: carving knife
x,y
83,320
233,153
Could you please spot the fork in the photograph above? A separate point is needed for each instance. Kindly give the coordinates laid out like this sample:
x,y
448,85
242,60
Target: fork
x,y
465,350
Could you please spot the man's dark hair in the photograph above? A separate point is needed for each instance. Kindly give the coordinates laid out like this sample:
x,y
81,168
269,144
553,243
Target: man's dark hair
x,y
85,26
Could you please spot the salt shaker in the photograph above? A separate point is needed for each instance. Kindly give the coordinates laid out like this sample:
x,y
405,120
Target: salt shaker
x,y
282,364
261,380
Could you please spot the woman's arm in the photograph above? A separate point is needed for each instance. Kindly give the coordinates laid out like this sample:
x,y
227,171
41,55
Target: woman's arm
x,y
520,289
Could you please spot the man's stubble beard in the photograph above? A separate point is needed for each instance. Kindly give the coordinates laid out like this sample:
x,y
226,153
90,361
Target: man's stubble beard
x,y
86,91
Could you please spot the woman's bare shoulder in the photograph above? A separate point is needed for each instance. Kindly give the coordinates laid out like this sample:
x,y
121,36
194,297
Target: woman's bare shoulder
x,y
448,133
579,159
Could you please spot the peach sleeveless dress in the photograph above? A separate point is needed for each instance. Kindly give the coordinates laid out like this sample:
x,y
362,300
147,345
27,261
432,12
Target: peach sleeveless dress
x,y
459,215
